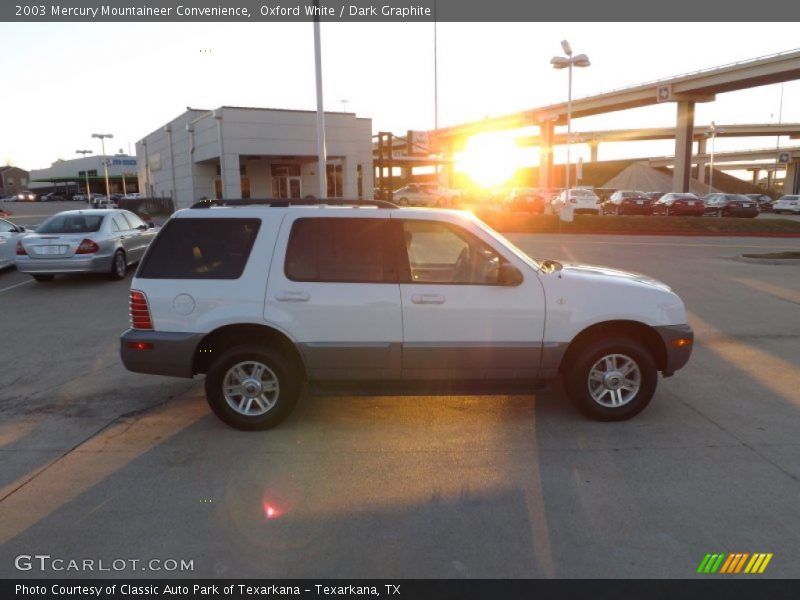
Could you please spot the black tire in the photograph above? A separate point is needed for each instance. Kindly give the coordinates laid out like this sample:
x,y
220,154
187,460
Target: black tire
x,y
278,368
119,266
43,278
576,379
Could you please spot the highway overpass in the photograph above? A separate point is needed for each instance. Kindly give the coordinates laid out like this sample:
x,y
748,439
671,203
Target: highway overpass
x,y
683,90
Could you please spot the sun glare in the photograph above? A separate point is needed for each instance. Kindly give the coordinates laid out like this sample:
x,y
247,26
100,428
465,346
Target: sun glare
x,y
489,159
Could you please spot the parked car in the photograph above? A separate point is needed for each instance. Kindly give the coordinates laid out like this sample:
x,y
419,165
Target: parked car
x,y
730,205
583,201
11,198
79,197
674,204
27,196
10,234
789,204
424,194
627,202
654,196
133,196
84,241
264,298
530,200
53,197
763,201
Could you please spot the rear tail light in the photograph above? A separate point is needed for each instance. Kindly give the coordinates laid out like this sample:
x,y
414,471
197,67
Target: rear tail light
x,y
21,249
140,311
87,246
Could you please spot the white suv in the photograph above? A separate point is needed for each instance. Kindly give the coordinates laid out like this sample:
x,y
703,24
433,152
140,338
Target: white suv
x,y
424,194
266,298
787,204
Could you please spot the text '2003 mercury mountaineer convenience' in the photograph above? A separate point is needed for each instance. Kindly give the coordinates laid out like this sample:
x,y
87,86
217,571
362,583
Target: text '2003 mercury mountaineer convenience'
x,y
265,298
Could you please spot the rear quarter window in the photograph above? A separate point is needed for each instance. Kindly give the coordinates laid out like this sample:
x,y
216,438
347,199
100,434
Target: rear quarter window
x,y
200,249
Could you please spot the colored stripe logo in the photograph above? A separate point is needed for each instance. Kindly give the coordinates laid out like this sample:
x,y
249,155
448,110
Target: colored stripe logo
x,y
734,563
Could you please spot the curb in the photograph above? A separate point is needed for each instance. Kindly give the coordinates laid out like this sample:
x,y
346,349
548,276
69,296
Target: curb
x,y
768,261
771,234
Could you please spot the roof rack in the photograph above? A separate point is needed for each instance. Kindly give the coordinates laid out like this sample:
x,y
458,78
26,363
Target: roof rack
x,y
285,202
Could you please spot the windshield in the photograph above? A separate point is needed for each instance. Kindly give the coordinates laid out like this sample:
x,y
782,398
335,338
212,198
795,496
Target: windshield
x,y
504,241
71,223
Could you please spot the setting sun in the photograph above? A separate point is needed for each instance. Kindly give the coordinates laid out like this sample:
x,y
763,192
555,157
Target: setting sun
x,y
490,159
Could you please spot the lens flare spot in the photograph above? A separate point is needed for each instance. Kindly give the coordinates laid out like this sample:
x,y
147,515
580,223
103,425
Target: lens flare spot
x,y
271,511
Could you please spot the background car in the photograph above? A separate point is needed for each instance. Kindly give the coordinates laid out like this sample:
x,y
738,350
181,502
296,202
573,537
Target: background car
x,y
424,194
627,202
132,196
763,201
730,205
582,201
53,197
84,241
27,196
789,204
10,234
674,204
79,197
530,200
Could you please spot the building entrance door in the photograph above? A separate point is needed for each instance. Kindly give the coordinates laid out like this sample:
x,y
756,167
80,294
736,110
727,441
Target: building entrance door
x,y
286,181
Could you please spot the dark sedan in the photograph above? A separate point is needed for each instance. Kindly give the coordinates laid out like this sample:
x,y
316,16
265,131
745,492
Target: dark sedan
x,y
730,205
624,202
679,204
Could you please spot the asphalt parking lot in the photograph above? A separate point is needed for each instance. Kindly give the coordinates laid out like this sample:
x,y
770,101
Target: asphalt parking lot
x,y
99,463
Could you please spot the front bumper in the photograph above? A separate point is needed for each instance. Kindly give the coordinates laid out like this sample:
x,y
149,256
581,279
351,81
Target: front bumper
x,y
160,352
73,264
677,353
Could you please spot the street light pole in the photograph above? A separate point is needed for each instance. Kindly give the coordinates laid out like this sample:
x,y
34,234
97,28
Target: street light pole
x,y
322,152
567,62
86,174
713,130
102,137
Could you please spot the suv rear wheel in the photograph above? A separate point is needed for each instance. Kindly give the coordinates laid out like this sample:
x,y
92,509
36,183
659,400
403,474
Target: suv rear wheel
x,y
611,379
252,387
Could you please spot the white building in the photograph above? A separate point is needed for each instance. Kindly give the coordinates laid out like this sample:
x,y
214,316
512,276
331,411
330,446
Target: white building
x,y
122,171
234,152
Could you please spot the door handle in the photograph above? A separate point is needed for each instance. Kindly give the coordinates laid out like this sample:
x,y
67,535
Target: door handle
x,y
292,296
427,299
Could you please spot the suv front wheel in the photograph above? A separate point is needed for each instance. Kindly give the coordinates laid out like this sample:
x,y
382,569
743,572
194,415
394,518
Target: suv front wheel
x,y
611,379
252,387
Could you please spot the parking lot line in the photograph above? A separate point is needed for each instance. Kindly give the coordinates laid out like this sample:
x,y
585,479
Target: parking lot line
x,y
11,287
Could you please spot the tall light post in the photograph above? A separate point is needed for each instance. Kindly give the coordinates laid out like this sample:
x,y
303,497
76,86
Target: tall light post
x,y
101,137
712,131
322,151
567,62
344,105
86,174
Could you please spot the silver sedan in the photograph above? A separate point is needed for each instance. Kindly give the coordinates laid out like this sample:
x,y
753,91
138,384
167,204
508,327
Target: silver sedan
x,y
84,241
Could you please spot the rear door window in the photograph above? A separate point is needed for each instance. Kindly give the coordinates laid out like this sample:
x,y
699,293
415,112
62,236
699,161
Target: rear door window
x,y
200,249
340,250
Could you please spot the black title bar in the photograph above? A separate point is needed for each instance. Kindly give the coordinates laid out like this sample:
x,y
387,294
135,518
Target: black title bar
x,y
398,11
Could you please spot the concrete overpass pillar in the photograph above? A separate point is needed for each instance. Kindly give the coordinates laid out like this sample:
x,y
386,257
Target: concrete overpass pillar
x,y
756,173
684,131
546,135
701,163
791,182
593,147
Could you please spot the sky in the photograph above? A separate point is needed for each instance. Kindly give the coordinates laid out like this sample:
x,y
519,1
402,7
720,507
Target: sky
x,y
65,81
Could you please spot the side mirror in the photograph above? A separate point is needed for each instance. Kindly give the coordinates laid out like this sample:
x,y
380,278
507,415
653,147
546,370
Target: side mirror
x,y
142,227
151,225
509,275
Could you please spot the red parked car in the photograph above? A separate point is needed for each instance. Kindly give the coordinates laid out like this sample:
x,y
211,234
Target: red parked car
x,y
731,205
679,204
